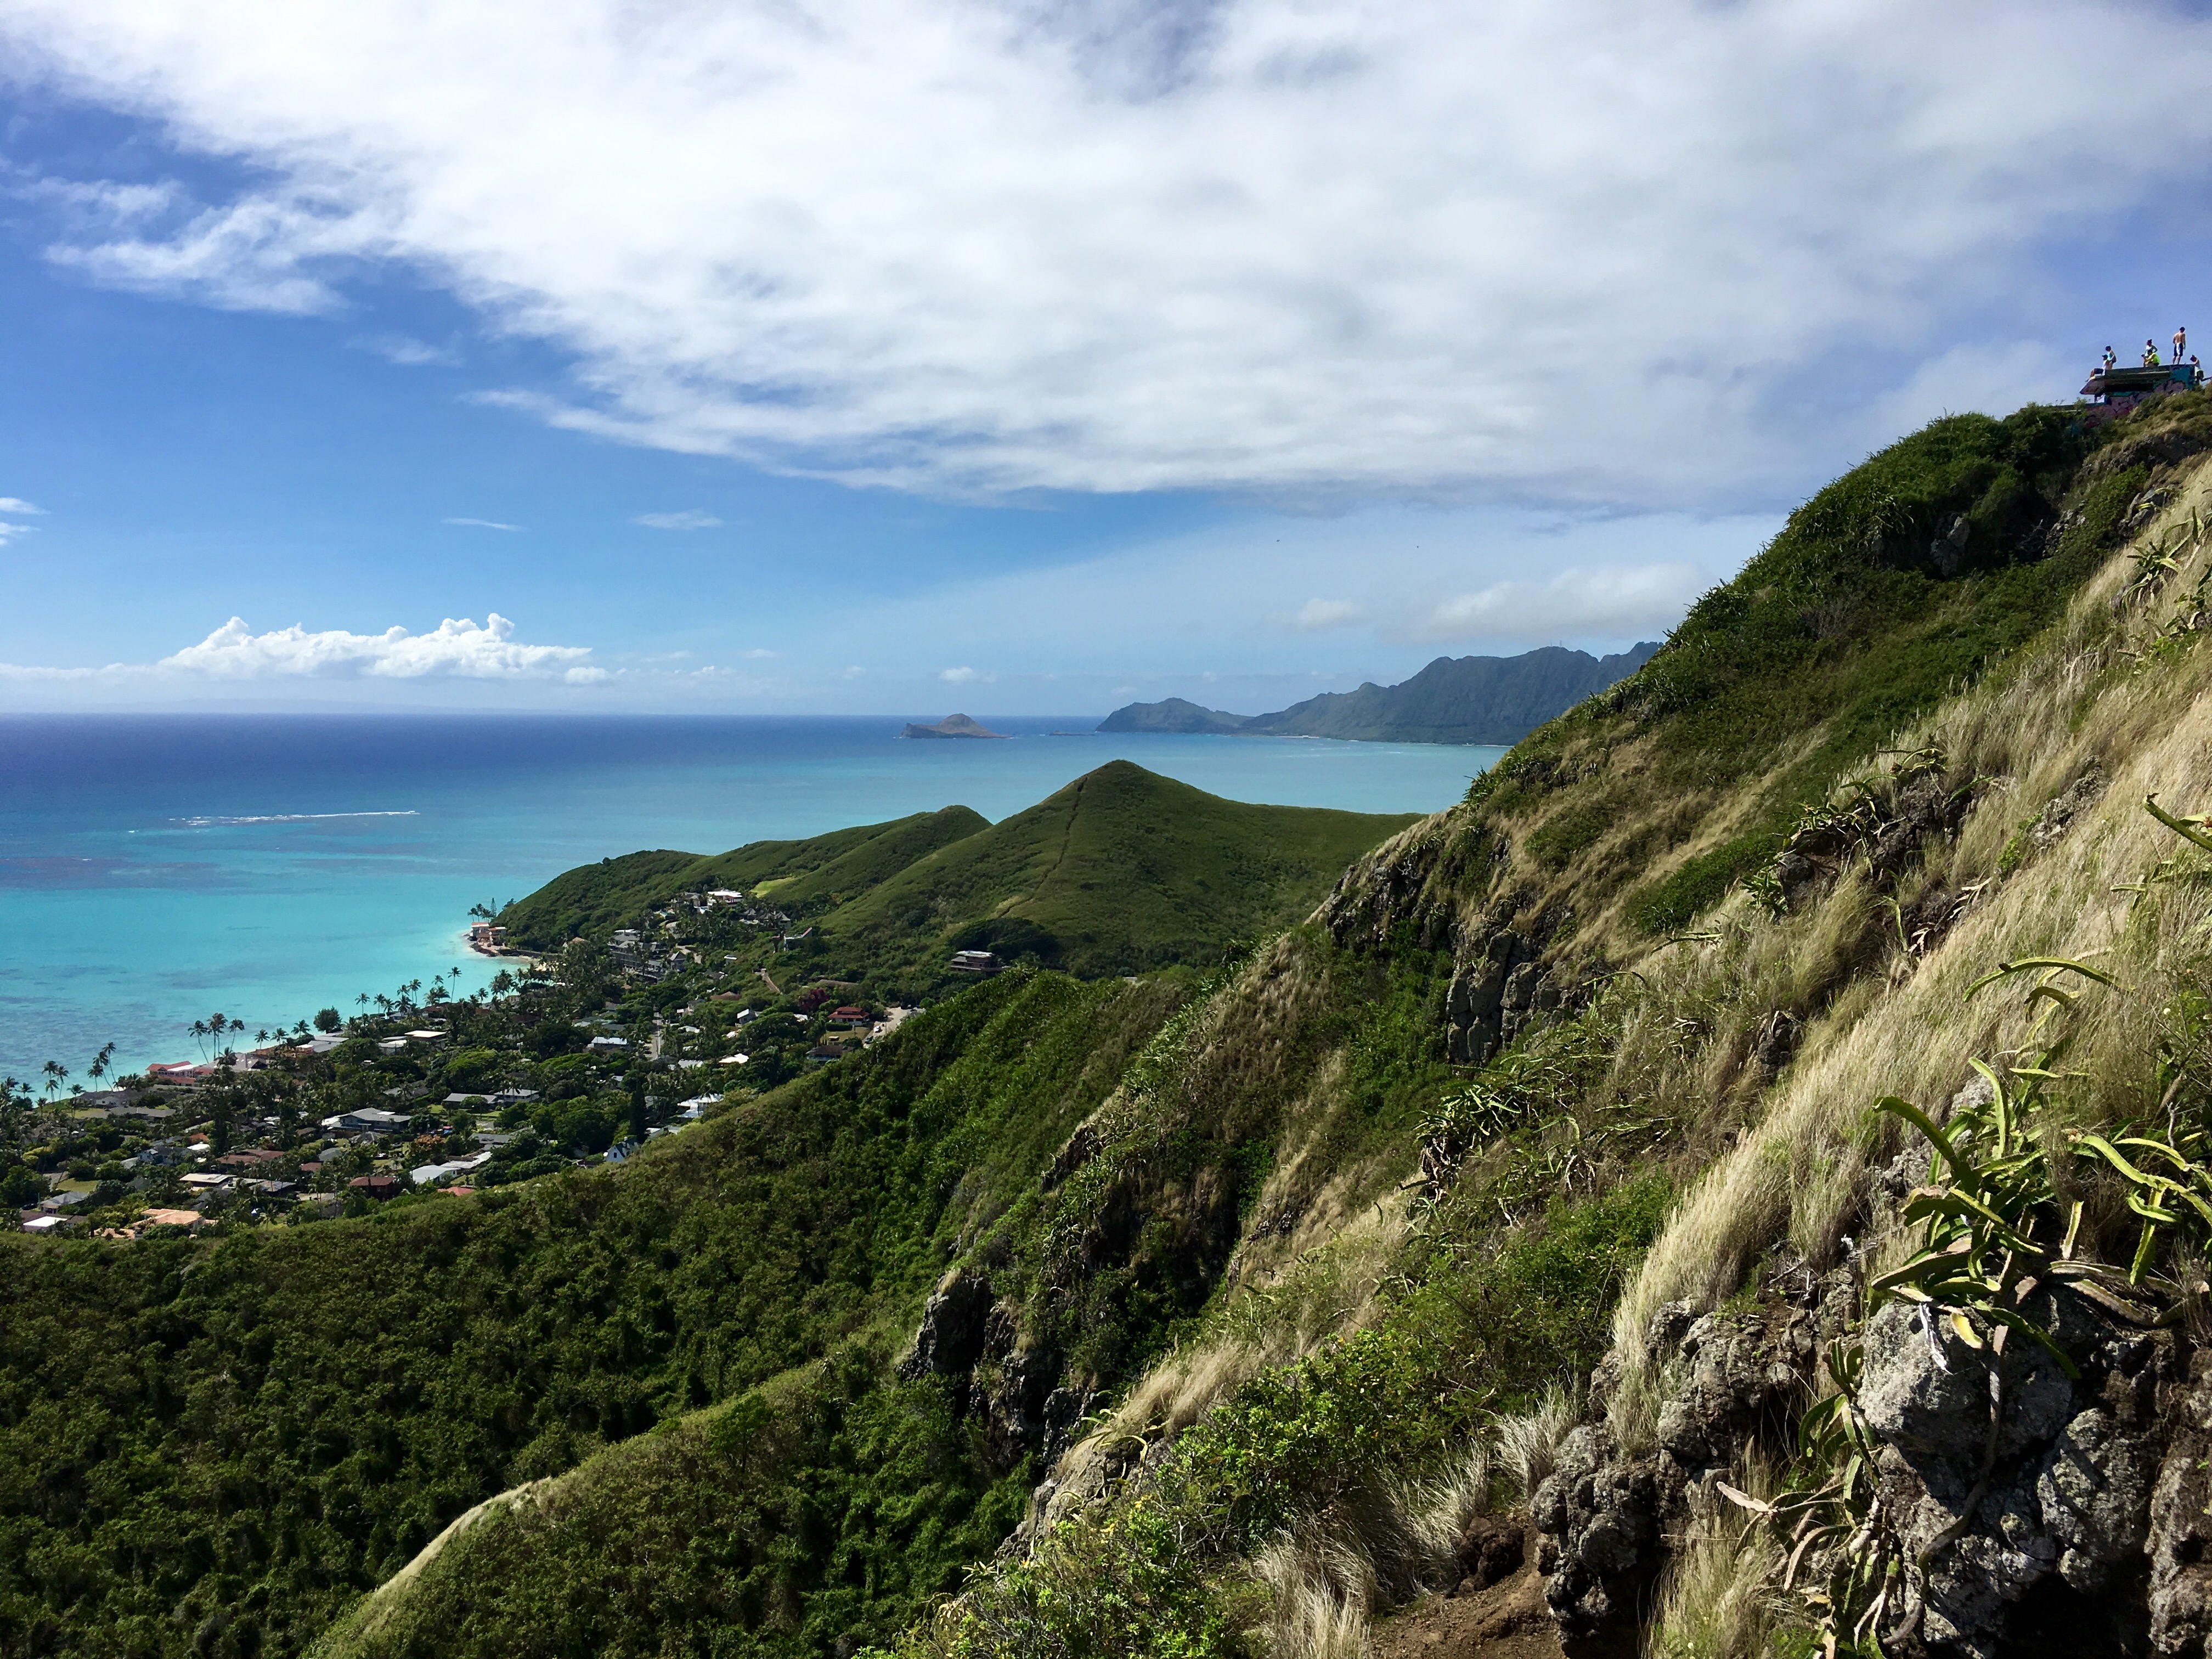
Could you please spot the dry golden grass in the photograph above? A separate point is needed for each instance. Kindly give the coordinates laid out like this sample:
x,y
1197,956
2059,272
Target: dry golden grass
x,y
1800,1172
1718,1600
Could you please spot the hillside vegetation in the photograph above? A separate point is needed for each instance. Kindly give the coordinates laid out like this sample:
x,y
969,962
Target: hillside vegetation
x,y
1121,872
1528,1192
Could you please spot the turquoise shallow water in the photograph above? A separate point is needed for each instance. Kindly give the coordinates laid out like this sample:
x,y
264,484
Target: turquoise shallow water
x,y
155,870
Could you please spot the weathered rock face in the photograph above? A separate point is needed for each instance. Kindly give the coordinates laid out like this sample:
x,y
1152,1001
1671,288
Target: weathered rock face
x,y
2026,1502
1473,1005
1597,1518
1603,1514
2180,1539
1495,991
949,1339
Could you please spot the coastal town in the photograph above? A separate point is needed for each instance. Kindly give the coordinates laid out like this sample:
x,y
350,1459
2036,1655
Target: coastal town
x,y
576,1061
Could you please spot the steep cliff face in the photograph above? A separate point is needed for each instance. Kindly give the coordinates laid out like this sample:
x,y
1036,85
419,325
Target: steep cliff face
x,y
1690,933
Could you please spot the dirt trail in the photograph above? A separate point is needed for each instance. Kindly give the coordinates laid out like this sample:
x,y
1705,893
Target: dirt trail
x,y
1508,1620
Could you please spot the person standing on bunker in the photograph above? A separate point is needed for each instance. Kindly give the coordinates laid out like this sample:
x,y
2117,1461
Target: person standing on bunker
x,y
2180,343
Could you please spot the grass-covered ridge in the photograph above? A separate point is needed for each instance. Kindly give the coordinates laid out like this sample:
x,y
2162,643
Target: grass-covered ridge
x,y
1926,566
1120,872
593,899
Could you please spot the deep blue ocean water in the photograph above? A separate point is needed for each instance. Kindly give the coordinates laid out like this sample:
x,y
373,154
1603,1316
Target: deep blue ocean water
x,y
154,870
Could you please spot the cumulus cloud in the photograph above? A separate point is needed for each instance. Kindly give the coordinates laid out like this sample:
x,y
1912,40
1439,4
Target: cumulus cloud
x,y
959,676
481,524
689,519
459,650
1316,615
1643,600
1562,247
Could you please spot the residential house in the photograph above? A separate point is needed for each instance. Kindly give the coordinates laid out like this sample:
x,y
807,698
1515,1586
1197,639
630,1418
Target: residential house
x,y
49,1223
379,1187
974,961
365,1120
428,1173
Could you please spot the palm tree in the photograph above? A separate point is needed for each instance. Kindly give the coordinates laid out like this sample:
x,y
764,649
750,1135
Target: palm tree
x,y
98,1069
200,1035
57,1074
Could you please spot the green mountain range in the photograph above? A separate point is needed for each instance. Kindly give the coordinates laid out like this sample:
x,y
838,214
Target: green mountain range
x,y
1730,1186
1487,700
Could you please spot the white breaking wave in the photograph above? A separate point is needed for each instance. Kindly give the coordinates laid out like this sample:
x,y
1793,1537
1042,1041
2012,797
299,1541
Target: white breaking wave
x,y
289,818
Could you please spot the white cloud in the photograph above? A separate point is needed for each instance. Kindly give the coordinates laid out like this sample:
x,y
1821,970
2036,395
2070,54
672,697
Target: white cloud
x,y
1544,246
1644,601
411,353
454,649
758,654
16,505
1317,615
959,676
481,524
689,519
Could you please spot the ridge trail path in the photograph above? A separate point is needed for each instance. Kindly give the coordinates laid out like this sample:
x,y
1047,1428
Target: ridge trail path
x,y
1506,1621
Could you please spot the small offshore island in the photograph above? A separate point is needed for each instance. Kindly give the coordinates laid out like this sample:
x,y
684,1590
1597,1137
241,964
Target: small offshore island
x,y
952,726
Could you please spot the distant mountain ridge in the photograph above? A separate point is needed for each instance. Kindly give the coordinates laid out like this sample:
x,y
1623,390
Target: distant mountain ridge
x,y
1488,700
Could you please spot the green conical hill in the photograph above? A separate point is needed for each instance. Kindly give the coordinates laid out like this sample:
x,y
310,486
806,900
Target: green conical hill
x,y
1119,871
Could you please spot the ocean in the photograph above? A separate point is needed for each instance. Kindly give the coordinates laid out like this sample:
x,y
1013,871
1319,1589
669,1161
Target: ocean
x,y
155,870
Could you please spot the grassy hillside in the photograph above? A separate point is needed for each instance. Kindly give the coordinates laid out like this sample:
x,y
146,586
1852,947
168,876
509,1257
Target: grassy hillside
x,y
213,1448
592,899
1326,1294
1120,872
1968,732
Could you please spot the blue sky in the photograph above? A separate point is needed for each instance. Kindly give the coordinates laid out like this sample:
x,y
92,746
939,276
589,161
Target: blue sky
x,y
1022,359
